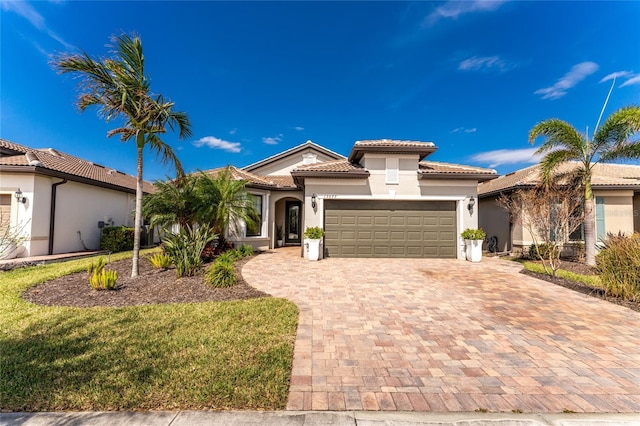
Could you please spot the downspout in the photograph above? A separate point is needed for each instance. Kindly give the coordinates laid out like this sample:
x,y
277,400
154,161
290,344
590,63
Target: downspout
x,y
52,215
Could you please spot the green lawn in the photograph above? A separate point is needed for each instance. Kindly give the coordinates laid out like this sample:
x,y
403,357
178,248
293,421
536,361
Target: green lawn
x,y
181,356
590,280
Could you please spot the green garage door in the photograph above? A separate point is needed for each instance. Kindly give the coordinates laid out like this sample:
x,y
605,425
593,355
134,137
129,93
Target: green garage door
x,y
390,228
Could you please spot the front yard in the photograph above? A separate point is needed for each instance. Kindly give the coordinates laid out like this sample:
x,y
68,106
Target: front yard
x,y
212,355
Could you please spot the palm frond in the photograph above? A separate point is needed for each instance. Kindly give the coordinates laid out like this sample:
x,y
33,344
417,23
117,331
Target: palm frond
x,y
613,140
558,134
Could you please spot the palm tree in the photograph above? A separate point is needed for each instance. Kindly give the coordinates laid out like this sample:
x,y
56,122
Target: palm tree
x,y
228,203
613,141
120,89
173,201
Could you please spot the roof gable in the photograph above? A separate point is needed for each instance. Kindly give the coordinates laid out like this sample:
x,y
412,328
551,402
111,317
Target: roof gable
x,y
284,162
391,146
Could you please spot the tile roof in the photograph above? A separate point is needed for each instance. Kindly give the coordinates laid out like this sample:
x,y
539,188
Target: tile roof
x,y
17,156
343,165
604,175
432,168
275,182
299,148
390,146
393,143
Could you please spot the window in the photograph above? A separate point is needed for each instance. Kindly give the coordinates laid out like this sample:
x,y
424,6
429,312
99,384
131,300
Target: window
x,y
257,202
392,176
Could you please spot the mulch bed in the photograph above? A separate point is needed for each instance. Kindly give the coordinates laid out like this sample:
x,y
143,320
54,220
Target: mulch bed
x,y
581,268
152,286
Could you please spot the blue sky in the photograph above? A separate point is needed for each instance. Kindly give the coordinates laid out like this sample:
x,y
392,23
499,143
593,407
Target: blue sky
x,y
257,78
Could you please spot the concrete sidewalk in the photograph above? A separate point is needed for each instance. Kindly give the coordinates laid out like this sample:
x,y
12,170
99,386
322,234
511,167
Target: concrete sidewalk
x,y
293,418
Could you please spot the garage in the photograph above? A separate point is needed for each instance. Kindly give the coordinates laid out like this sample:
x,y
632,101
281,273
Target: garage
x,y
409,229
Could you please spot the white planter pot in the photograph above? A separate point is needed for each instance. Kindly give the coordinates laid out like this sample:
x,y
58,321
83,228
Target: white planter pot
x,y
473,250
279,243
314,249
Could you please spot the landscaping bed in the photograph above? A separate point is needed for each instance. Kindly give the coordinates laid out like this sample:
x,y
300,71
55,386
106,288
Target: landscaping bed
x,y
585,270
150,287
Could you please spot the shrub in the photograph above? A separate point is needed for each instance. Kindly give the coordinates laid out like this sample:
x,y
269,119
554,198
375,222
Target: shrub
x,y
209,252
473,234
619,266
160,260
185,249
117,238
100,278
543,251
229,256
222,273
314,233
246,250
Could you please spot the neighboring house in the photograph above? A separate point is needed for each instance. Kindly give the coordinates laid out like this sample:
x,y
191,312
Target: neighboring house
x,y
383,200
64,199
616,188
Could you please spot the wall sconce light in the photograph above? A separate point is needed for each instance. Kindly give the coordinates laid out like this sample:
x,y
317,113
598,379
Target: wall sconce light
x,y
19,197
313,201
472,203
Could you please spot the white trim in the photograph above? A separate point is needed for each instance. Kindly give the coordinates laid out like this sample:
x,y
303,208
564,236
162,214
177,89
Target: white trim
x,y
388,197
461,243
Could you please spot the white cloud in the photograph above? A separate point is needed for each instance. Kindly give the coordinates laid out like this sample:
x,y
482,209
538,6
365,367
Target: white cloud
x,y
233,131
275,140
500,157
298,128
484,63
25,10
216,143
454,9
616,75
464,130
578,73
633,80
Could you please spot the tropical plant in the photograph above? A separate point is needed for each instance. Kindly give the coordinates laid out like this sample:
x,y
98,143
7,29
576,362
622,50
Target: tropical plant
x,y
173,202
314,233
160,261
117,238
246,250
613,141
225,202
473,234
185,248
101,278
120,89
619,266
222,273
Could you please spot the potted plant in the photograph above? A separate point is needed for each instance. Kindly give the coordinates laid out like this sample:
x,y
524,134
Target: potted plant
x,y
313,236
473,239
279,236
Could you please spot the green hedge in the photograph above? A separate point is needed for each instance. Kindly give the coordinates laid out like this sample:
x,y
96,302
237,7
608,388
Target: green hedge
x,y
117,238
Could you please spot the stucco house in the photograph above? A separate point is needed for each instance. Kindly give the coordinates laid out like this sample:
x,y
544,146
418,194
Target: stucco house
x,y
382,200
60,202
616,188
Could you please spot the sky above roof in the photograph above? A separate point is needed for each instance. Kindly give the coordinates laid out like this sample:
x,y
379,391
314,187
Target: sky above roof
x,y
257,78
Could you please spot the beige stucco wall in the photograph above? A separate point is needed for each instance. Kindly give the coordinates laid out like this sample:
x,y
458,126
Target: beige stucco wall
x,y
495,222
20,214
283,166
636,212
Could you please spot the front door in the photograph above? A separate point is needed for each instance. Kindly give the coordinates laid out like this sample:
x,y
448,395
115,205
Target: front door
x,y
292,222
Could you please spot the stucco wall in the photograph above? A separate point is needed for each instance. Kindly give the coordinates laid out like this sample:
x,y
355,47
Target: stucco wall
x,y
20,214
495,222
618,211
636,212
283,166
79,208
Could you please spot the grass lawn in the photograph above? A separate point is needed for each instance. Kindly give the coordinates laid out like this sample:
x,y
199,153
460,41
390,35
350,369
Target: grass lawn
x,y
216,355
590,280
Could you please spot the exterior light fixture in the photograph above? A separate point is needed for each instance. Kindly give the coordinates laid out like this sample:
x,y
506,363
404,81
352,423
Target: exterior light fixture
x,y
472,202
19,197
313,201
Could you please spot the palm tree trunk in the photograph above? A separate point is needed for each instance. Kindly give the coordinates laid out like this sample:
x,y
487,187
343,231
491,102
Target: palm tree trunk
x,y
138,215
589,227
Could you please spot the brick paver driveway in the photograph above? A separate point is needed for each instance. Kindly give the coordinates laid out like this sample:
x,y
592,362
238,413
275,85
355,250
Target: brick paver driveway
x,y
449,335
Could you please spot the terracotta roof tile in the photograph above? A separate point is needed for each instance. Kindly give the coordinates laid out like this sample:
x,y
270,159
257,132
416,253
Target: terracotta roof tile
x,y
393,143
428,167
278,181
51,159
331,166
613,175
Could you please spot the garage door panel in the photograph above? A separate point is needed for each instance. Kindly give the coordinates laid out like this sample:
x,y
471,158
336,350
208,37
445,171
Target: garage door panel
x,y
390,229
